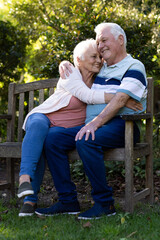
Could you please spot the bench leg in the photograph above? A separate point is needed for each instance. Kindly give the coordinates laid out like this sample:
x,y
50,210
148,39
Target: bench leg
x,y
149,178
10,176
129,200
149,161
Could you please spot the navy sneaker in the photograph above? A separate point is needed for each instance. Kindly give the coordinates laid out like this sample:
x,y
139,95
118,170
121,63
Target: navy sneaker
x,y
59,208
97,211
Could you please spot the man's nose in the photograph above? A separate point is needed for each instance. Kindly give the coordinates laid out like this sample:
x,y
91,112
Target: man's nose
x,y
100,45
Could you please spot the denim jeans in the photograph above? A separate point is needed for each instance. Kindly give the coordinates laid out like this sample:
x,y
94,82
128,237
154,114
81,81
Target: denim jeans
x,y
60,140
110,135
33,160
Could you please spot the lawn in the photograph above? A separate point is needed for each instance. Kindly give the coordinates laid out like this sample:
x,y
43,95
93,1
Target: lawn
x,y
144,224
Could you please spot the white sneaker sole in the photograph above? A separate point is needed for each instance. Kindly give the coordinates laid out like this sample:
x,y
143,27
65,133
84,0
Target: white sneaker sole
x,y
87,218
25,193
51,215
25,214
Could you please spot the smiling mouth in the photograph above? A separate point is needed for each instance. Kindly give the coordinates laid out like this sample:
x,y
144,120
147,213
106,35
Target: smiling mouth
x,y
104,50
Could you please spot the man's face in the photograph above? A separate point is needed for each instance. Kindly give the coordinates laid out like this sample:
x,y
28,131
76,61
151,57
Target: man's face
x,y
108,47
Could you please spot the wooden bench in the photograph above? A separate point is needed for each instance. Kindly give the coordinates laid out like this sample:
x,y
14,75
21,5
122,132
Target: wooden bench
x,y
23,97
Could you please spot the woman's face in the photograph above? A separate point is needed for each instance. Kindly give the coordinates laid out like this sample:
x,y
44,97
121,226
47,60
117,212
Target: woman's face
x,y
92,61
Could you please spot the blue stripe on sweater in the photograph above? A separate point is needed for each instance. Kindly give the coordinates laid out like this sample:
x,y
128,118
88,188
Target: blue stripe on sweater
x,y
136,74
104,81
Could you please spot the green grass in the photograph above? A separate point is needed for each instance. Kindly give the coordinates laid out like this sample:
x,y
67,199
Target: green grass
x,y
144,224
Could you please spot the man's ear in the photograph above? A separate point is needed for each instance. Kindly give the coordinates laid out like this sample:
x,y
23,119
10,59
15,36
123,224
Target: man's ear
x,y
121,39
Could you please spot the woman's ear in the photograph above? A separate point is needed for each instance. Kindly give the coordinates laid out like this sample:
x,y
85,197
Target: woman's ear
x,y
78,61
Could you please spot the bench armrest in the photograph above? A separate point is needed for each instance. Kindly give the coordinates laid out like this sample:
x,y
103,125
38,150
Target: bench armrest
x,y
133,117
6,116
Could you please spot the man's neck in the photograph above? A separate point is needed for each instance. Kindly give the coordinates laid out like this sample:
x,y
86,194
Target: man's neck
x,y
111,62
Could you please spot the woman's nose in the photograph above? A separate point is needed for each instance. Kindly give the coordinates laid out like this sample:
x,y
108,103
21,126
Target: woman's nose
x,y
99,60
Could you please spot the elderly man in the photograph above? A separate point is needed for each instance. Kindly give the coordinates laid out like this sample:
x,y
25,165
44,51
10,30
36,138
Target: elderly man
x,y
126,78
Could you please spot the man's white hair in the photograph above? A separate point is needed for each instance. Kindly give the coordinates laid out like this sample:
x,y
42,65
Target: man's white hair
x,y
81,49
115,29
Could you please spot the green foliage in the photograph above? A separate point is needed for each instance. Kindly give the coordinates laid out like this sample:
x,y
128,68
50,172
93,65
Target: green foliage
x,y
12,60
156,146
12,52
57,26
3,130
77,170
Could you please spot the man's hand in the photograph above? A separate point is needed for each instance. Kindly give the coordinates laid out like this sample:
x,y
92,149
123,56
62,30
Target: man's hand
x,y
134,105
65,69
117,102
88,129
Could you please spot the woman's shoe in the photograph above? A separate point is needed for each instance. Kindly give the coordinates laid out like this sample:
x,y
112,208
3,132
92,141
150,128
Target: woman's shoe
x,y
25,189
27,210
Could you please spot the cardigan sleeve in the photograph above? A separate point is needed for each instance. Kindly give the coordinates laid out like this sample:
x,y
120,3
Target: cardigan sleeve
x,y
75,85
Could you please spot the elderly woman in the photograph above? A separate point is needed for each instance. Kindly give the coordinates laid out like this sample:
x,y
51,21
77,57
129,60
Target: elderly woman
x,y
63,109
66,108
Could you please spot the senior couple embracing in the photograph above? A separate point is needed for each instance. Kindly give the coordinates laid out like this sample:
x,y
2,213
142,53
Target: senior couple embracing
x,y
84,113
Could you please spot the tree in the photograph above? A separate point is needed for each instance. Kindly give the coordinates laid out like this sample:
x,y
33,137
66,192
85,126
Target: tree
x,y
57,26
12,58
54,27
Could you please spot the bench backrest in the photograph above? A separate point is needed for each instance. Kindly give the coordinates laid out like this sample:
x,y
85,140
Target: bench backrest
x,y
22,98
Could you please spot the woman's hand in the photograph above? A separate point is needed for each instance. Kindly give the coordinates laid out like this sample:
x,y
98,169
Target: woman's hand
x,y
65,69
134,105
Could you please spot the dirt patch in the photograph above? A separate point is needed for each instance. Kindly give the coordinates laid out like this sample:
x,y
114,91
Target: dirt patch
x,y
48,194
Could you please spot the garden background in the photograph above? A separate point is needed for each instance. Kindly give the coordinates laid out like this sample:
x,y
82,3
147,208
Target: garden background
x,y
35,36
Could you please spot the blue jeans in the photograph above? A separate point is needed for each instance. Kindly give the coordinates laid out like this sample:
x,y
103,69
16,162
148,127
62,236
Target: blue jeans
x,y
110,135
60,140
33,160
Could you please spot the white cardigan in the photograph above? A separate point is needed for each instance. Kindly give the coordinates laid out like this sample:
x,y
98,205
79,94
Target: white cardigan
x,y
66,88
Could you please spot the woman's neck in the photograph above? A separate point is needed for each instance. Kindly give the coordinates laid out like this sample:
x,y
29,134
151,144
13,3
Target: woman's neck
x,y
88,77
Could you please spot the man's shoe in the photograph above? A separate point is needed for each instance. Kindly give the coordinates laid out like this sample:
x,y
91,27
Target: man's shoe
x,y
59,208
97,211
27,210
25,189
